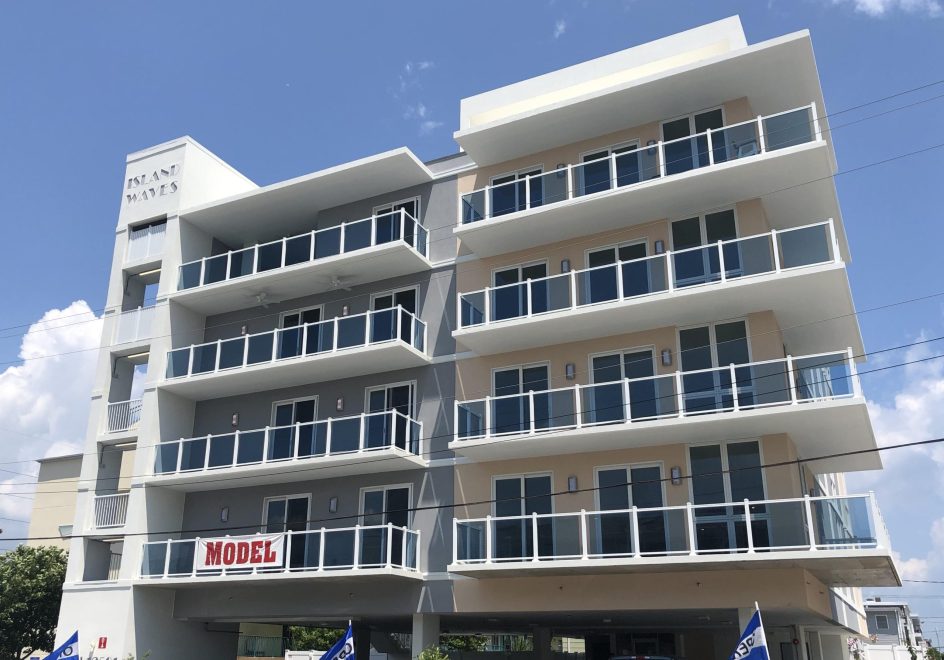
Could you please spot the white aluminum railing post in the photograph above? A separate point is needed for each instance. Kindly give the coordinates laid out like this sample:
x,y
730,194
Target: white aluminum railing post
x,y
791,380
390,544
721,261
670,271
373,230
734,387
265,444
341,244
854,374
620,292
488,539
245,350
275,345
578,406
775,244
190,364
834,242
455,540
488,416
303,348
288,550
530,291
206,452
311,247
690,517
284,250
811,530
167,559
876,517
236,447
532,427
612,168
357,544
761,139
321,550
395,326
817,134
534,537
334,346
569,173
196,544
660,154
487,306
255,258
584,535
328,437
363,427
455,421
679,395
573,289
202,270
219,347
297,441
627,407
634,526
747,526
403,225
711,154
180,454
527,192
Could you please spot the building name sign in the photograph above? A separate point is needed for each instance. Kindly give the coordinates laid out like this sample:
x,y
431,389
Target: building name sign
x,y
150,185
258,551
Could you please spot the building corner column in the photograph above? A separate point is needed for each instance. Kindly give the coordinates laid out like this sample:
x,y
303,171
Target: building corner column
x,y
425,633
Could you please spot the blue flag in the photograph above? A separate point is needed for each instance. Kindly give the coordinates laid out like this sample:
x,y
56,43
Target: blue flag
x,y
343,649
753,643
69,649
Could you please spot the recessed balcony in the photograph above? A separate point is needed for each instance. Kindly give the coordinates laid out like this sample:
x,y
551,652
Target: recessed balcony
x,y
812,398
715,168
367,443
145,244
362,551
842,540
376,248
344,347
109,511
123,416
797,273
134,326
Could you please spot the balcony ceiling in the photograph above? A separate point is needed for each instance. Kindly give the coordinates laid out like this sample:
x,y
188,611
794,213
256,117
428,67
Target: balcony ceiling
x,y
756,72
281,208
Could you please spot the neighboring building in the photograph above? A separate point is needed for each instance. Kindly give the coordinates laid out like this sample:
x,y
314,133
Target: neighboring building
x,y
894,632
54,501
591,330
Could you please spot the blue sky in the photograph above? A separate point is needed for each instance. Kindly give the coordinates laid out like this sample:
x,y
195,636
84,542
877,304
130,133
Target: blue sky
x,y
281,89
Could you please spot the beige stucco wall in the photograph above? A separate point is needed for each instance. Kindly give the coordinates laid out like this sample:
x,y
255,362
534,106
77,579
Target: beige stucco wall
x,y
54,501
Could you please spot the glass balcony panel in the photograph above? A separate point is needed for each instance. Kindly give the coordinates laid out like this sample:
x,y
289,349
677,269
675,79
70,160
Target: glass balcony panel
x,y
603,403
686,154
844,523
511,301
559,537
768,382
320,338
419,335
307,442
345,435
511,539
178,362
554,410
696,266
676,534
549,188
221,450
805,246
592,177
165,458
289,343
281,443
181,558
388,227
373,547
383,325
785,525
270,256
379,430
470,537
748,256
473,206
735,142
153,559
189,275
357,235
327,242
412,552
597,285
823,377
788,129
422,239
511,414
610,534
260,348
652,398
707,391
242,262
204,359
471,420
320,438
644,276
232,352
298,250
306,550
339,548
250,447
214,269
352,331
193,454
472,309
637,165
508,197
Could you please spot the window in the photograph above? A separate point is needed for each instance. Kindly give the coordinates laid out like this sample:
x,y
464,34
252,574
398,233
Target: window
x,y
385,429
383,323
510,192
594,174
391,225
380,506
729,472
881,621
518,496
619,489
511,412
609,265
682,155
292,334
608,401
706,350
285,416
693,266
287,513
510,301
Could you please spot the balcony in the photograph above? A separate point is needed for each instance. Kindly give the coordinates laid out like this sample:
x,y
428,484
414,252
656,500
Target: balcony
x,y
123,416
111,511
134,325
352,253
146,244
842,540
371,551
810,398
365,443
344,347
706,170
776,271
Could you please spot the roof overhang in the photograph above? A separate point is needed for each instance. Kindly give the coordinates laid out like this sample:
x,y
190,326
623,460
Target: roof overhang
x,y
260,214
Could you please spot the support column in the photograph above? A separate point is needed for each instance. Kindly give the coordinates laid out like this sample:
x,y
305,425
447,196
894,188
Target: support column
x,y
744,617
425,633
800,634
542,643
361,639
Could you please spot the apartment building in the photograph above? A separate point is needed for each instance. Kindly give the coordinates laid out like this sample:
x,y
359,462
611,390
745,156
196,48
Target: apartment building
x,y
591,377
894,632
54,501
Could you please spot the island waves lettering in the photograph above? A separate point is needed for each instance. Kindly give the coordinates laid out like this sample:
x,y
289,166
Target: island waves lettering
x,y
241,552
157,183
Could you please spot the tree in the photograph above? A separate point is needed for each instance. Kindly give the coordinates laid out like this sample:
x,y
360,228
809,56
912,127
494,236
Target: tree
x,y
303,638
463,642
30,592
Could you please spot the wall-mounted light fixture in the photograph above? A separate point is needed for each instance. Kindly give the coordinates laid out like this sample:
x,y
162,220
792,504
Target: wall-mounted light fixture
x,y
652,147
561,170
570,371
235,420
224,514
244,330
565,265
660,246
676,473
666,357
572,484
345,310
333,504
339,405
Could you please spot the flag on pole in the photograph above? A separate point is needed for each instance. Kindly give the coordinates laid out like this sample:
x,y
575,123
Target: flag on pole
x,y
753,643
69,649
343,649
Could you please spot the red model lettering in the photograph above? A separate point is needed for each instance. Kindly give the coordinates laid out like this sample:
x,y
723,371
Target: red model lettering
x,y
213,553
229,554
270,556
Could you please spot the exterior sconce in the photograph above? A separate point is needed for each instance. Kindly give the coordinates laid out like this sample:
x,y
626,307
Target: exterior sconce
x,y
244,330
660,246
339,405
224,514
652,148
235,420
333,504
345,310
565,265
561,170
570,371
666,357
676,474
572,484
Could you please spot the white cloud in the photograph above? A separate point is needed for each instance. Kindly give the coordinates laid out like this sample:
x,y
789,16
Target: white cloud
x,y
44,401
880,8
560,27
409,87
429,126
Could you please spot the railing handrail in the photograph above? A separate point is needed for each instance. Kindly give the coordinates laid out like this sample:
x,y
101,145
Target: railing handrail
x,y
124,493
326,530
655,146
269,429
401,212
846,359
664,255
126,402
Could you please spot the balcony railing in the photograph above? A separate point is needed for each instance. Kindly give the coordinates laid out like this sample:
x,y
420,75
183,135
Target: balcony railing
x,y
848,522
306,248
124,415
717,263
111,510
338,334
749,386
258,646
134,325
357,434
634,166
322,551
146,242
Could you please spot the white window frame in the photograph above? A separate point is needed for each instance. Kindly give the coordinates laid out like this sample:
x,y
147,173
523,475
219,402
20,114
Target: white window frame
x,y
518,267
300,311
878,625
384,488
388,208
621,352
713,339
519,367
282,402
296,496
702,227
521,477
387,386
628,467
616,246
393,292
691,120
517,174
726,475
